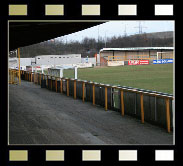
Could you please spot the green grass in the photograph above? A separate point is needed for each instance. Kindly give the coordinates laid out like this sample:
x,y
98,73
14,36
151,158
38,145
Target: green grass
x,y
152,77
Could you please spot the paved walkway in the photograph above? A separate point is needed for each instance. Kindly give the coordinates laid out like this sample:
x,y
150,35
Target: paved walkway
x,y
40,116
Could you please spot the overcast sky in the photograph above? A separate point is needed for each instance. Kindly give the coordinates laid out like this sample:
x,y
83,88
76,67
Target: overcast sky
x,y
117,28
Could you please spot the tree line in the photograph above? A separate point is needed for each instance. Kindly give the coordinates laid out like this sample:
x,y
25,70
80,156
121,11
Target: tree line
x,y
90,46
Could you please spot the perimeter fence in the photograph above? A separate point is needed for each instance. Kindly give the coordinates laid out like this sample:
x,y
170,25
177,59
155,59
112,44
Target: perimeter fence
x,y
148,106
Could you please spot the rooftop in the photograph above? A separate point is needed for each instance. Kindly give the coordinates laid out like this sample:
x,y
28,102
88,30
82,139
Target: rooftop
x,y
137,48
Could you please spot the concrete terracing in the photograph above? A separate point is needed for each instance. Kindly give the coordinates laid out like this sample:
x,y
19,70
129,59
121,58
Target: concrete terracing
x,y
40,116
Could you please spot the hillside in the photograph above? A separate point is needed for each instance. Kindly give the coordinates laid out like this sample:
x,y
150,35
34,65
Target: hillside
x,y
90,46
161,35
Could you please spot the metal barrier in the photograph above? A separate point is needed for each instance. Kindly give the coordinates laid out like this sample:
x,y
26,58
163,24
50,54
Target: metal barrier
x,y
150,106
13,76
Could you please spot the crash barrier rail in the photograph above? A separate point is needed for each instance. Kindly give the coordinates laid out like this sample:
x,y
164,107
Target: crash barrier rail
x,y
150,106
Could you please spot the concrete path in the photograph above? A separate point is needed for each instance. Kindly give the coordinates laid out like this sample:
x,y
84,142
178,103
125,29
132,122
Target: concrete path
x,y
40,116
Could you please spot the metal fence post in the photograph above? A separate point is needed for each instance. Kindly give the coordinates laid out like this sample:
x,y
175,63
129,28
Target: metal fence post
x,y
31,76
142,107
34,77
47,81
61,89
55,84
83,86
37,78
74,89
122,104
51,82
168,114
106,98
93,94
40,79
155,111
67,87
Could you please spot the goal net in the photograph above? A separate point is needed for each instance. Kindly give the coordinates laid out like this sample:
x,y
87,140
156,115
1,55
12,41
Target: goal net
x,y
165,55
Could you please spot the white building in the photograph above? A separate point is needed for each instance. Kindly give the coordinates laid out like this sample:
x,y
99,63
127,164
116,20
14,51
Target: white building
x,y
58,59
48,61
14,62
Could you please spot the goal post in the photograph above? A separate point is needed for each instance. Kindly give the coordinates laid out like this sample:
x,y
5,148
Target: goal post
x,y
58,71
164,55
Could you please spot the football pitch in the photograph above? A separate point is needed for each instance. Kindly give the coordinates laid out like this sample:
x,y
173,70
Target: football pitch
x,y
156,77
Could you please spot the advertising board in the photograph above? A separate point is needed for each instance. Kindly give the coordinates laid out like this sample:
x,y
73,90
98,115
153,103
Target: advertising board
x,y
138,62
162,61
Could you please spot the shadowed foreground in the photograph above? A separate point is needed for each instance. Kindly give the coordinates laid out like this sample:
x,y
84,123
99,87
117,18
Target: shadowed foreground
x,y
39,116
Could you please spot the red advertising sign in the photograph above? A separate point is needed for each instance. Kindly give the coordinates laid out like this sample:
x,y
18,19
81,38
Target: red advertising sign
x,y
133,62
138,62
144,62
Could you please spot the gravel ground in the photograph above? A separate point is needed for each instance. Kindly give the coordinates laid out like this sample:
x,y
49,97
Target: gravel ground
x,y
39,116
